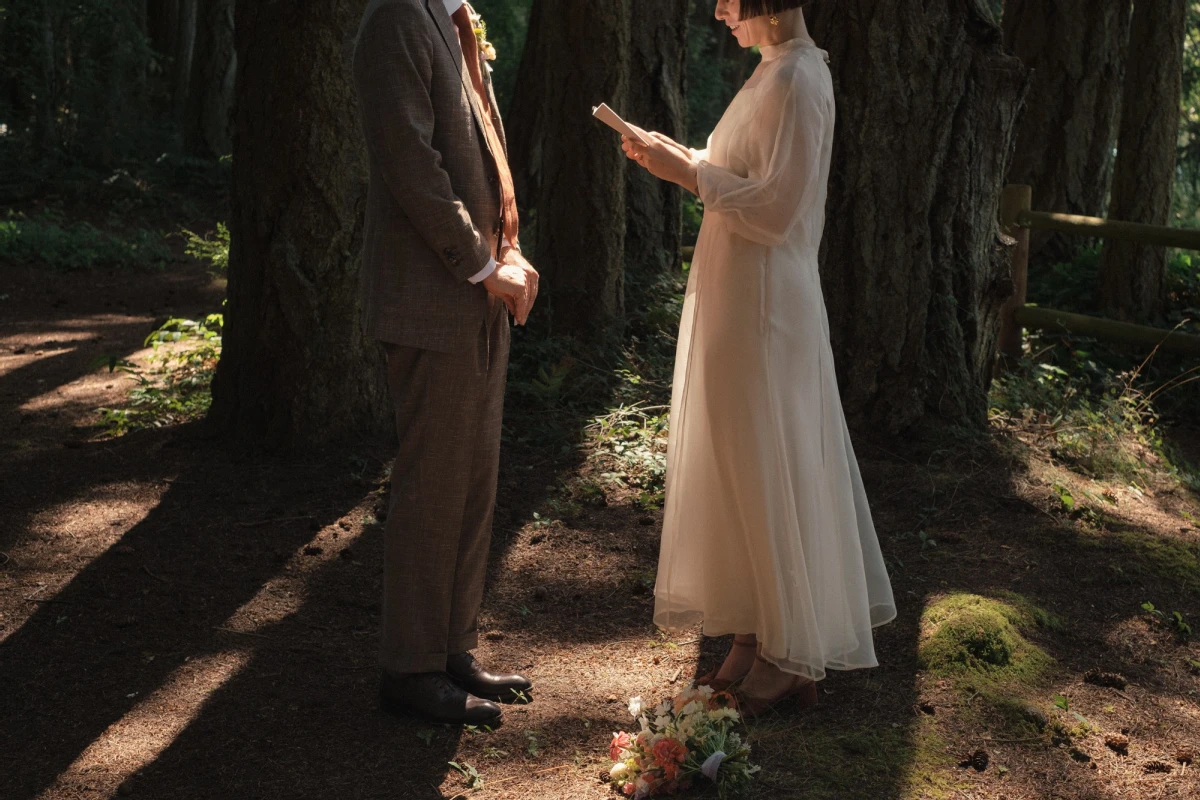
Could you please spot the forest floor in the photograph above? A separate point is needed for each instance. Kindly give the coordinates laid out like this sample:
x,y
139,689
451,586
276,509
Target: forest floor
x,y
180,618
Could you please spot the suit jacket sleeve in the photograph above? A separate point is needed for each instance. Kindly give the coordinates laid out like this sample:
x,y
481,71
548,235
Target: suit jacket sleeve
x,y
394,74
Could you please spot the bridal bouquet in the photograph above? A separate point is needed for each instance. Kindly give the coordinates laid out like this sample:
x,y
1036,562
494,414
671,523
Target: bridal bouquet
x,y
682,739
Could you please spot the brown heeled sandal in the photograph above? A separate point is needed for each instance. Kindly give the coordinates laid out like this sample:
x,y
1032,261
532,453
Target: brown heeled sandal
x,y
720,684
803,691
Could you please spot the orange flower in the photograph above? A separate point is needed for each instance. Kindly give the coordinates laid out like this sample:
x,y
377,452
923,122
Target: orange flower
x,y
669,754
620,741
629,789
722,700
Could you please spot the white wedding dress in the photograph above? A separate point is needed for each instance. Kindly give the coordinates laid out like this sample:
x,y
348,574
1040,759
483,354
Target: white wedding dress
x,y
767,528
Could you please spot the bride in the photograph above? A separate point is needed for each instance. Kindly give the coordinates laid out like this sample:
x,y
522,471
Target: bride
x,y
767,532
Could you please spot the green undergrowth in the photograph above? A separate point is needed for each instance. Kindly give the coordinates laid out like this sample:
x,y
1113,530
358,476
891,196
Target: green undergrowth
x,y
603,396
1104,410
175,386
907,763
48,239
1098,412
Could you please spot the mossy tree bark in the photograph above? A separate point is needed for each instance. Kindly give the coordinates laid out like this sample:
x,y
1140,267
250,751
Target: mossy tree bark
x,y
1076,49
1132,280
913,272
296,369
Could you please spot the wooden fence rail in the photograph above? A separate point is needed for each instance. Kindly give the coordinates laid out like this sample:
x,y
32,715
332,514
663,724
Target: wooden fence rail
x,y
1017,218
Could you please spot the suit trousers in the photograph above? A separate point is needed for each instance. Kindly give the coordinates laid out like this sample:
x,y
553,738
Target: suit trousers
x,y
448,413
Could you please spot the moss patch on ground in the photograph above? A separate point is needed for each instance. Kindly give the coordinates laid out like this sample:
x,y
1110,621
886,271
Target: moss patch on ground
x,y
981,646
1148,555
983,640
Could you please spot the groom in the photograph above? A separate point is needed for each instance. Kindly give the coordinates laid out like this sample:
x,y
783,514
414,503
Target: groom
x,y
441,263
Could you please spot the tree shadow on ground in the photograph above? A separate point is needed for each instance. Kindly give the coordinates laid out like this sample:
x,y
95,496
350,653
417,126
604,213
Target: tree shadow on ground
x,y
150,601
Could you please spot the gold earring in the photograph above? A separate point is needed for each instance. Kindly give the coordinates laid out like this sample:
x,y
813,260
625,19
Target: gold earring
x,y
774,20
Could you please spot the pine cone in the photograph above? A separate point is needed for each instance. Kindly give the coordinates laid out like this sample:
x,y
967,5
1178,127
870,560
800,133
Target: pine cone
x,y
1109,679
979,760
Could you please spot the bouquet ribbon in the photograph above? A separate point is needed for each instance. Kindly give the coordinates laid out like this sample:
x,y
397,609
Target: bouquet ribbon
x,y
712,764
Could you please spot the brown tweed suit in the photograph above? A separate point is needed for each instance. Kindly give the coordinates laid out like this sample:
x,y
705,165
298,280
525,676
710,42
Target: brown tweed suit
x,y
433,220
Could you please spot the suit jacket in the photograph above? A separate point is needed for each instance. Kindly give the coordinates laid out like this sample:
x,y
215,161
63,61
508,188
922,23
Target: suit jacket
x,y
433,215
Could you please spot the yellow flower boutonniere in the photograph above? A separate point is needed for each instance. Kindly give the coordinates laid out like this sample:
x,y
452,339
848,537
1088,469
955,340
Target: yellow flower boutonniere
x,y
480,27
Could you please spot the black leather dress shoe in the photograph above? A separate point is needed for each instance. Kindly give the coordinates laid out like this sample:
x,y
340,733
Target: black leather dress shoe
x,y
433,697
465,671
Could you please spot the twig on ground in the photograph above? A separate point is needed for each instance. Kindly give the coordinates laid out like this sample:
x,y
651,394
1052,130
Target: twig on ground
x,y
7,558
152,575
1009,741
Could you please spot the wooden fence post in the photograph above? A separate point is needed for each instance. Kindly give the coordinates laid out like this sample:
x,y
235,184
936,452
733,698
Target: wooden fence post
x,y
1013,201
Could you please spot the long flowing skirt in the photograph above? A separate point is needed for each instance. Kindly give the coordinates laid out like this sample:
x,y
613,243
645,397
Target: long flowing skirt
x,y
767,528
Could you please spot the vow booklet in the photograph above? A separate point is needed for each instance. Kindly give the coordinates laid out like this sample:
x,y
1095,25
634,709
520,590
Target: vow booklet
x,y
610,118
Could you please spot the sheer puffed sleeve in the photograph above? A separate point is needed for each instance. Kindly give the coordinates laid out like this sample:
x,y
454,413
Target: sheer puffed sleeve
x,y
787,131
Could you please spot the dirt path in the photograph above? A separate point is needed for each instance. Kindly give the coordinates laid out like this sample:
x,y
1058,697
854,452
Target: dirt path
x,y
178,620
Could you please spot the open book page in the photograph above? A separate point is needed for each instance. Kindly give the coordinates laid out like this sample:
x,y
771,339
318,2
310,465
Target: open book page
x,y
613,120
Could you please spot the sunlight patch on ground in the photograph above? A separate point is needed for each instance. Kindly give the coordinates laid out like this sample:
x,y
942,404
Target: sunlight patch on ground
x,y
11,361
150,727
63,540
86,393
285,593
139,737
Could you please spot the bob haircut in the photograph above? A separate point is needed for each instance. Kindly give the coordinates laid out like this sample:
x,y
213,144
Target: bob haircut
x,y
758,8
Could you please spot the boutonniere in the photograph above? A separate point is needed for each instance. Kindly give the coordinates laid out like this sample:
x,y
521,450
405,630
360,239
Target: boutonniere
x,y
480,27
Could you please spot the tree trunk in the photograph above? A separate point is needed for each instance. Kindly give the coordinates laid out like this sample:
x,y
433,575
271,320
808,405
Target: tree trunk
x,y
296,368
655,101
182,53
523,125
914,278
210,101
162,25
1076,49
571,167
48,134
1132,277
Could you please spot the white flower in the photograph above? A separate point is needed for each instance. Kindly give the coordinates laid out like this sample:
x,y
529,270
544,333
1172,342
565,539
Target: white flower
x,y
619,771
662,722
636,706
692,708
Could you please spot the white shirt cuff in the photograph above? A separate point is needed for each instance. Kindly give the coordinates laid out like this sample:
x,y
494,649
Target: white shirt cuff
x,y
483,274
